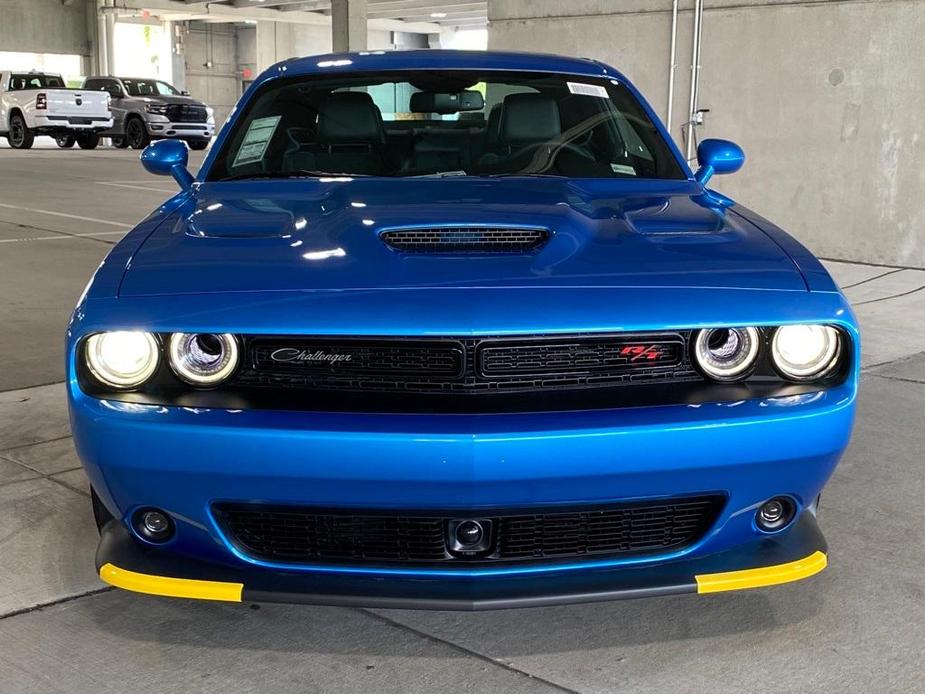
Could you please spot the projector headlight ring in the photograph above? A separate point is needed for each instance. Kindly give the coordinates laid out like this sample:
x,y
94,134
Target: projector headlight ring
x,y
805,352
726,354
122,359
203,359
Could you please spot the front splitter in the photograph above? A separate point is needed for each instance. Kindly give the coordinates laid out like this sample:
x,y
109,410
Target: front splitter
x,y
797,553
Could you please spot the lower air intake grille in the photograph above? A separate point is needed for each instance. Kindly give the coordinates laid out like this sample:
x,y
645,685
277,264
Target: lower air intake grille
x,y
296,534
465,240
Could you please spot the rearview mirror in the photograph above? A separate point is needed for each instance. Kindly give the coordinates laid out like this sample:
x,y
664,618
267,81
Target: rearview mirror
x,y
168,158
718,157
447,102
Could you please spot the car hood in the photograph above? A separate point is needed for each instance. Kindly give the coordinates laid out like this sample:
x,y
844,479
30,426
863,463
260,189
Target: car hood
x,y
324,235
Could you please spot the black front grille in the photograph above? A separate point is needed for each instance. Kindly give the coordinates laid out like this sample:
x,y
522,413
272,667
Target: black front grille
x,y
466,365
306,535
186,113
322,359
465,240
583,355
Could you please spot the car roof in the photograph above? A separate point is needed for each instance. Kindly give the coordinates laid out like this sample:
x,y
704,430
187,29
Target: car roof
x,y
440,59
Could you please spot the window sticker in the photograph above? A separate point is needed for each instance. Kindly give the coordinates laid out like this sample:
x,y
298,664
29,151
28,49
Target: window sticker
x,y
623,169
256,140
588,89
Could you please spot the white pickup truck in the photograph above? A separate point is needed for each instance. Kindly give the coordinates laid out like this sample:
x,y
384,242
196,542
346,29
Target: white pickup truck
x,y
37,103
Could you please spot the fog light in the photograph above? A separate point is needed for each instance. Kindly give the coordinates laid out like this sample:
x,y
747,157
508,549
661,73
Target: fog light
x,y
772,511
153,525
775,514
155,522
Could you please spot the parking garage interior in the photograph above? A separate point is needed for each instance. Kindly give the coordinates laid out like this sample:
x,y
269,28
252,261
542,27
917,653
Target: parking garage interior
x,y
822,95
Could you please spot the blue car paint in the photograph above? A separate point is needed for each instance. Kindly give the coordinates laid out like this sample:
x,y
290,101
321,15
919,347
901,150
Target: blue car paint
x,y
627,255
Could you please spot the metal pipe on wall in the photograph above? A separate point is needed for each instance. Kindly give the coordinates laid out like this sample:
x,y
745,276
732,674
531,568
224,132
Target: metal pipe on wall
x,y
695,75
672,61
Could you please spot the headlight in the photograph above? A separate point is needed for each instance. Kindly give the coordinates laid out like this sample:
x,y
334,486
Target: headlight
x,y
122,359
726,354
203,359
802,352
157,109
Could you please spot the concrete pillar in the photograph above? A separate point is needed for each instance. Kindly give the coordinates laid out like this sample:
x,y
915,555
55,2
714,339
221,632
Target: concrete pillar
x,y
104,37
348,25
273,43
90,62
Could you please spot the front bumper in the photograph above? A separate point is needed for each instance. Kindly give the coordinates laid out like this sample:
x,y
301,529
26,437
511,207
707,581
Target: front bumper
x,y
794,555
163,128
184,460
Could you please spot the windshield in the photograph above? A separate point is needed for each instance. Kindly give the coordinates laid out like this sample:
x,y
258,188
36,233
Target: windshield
x,y
446,123
148,88
35,81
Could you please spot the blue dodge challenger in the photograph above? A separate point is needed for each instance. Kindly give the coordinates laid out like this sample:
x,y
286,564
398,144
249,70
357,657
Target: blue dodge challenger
x,y
456,330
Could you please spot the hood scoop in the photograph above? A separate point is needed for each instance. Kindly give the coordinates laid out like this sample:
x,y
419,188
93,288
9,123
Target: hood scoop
x,y
465,239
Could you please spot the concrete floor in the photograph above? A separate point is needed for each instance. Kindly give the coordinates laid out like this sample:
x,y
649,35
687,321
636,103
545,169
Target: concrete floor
x,y
859,626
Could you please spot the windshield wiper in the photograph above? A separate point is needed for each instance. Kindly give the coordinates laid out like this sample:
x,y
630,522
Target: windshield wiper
x,y
440,174
525,175
294,173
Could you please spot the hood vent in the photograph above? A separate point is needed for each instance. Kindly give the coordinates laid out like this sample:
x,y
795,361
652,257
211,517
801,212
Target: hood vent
x,y
465,239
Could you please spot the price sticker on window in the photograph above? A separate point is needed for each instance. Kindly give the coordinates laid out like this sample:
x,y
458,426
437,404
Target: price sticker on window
x,y
585,89
256,140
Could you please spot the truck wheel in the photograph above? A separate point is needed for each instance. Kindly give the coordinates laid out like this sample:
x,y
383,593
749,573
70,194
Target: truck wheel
x,y
120,142
88,141
65,141
198,144
20,137
137,134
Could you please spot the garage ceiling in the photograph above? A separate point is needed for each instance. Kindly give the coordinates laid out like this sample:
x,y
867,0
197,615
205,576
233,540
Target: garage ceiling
x,y
467,13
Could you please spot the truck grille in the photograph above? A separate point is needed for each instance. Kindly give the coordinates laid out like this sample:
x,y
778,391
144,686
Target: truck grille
x,y
465,240
298,534
186,113
467,365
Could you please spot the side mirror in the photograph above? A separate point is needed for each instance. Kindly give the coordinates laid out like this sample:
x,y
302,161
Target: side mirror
x,y
718,157
184,93
168,158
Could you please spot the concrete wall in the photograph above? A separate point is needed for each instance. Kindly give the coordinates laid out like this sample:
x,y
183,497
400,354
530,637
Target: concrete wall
x,y
825,96
276,41
45,26
212,70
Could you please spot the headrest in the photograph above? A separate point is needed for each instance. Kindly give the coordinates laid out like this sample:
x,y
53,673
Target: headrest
x,y
350,117
493,128
527,118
